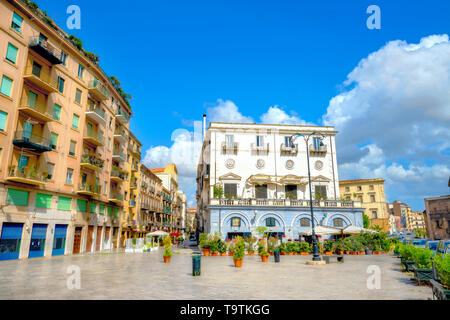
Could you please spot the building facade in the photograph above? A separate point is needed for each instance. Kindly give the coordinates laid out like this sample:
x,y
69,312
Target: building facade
x,y
252,175
437,217
191,223
370,192
415,220
61,166
151,204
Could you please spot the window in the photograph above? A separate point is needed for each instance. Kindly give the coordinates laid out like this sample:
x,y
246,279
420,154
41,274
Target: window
x,y
305,222
17,197
109,211
36,70
261,191
23,162
101,209
32,98
6,86
16,23
374,214
259,141
270,222
110,122
61,84
288,141
92,207
104,187
372,198
338,222
75,120
43,201
230,190
69,176
50,168
347,189
63,58
371,187
80,71
72,148
56,112
317,143
64,203
78,96
291,191
359,188
11,53
236,222
229,140
109,143
320,192
3,116
81,205
53,140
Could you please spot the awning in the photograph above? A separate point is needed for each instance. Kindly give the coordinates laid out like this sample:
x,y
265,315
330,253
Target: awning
x,y
293,179
158,233
356,230
320,230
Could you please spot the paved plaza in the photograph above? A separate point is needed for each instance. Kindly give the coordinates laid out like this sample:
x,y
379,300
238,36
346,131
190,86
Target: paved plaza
x,y
120,275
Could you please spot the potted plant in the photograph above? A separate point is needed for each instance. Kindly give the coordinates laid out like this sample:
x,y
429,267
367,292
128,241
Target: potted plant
x,y
250,245
167,249
262,250
214,247
339,247
442,285
239,249
204,243
407,254
231,247
422,267
271,245
283,249
303,248
385,245
328,246
290,246
222,248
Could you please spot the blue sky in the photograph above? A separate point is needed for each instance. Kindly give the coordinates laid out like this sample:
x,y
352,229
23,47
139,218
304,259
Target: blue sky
x,y
177,58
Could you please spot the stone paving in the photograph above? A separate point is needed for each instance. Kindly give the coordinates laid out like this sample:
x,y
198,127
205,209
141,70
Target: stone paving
x,y
121,275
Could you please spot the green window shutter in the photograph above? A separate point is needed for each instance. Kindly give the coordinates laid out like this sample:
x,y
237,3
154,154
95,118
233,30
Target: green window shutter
x,y
64,203
6,86
43,201
109,211
56,112
3,120
16,22
53,140
17,197
101,209
92,207
81,205
11,53
32,98
75,121
116,212
61,84
78,96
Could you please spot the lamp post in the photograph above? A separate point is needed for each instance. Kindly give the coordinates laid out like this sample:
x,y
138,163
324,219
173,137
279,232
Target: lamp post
x,y
316,256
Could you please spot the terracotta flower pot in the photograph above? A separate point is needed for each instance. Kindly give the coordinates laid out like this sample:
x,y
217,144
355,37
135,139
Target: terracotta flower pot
x,y
282,253
223,254
271,253
251,253
237,262
295,253
230,254
166,259
340,252
386,252
264,258
206,252
361,253
328,253
346,252
290,253
303,253
214,254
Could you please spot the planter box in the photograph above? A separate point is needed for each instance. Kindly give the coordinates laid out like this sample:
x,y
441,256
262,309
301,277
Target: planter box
x,y
408,265
422,274
439,291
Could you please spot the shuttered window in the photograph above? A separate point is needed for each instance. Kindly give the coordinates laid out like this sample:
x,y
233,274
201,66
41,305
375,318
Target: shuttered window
x,y
16,23
57,112
64,203
92,207
75,121
17,197
3,120
6,86
43,201
116,212
11,53
78,96
109,211
81,205
101,209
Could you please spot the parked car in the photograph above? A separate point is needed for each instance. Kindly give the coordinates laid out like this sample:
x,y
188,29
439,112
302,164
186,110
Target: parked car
x,y
432,245
192,241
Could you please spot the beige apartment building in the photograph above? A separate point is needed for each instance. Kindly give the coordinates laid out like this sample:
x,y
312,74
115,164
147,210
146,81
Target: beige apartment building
x,y
151,203
63,142
415,220
372,196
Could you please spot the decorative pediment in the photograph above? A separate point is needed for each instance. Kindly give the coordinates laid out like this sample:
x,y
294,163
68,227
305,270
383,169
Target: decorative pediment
x,y
293,179
230,176
320,179
259,179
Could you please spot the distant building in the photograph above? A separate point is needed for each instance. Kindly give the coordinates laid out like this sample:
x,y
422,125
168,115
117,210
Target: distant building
x,y
414,221
371,194
437,217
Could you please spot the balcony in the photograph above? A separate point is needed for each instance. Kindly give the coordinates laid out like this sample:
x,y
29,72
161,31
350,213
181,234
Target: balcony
x,y
122,116
119,156
27,175
115,197
31,142
42,80
264,148
285,203
320,149
45,50
94,138
96,114
293,148
232,147
135,167
91,162
38,112
120,136
133,185
119,175
133,150
89,189
98,90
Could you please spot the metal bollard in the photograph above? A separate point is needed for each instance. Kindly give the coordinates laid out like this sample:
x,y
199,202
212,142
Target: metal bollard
x,y
196,265
276,255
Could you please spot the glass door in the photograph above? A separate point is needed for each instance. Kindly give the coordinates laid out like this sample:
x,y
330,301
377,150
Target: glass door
x,y
27,129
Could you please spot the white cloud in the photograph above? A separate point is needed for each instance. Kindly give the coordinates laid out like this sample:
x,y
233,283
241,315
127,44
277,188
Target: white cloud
x,y
226,111
275,115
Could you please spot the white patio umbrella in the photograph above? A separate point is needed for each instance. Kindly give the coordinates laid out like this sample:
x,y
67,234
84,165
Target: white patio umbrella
x,y
356,230
158,233
320,230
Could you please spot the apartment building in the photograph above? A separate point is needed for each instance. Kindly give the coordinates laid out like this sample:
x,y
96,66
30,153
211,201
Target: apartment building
x,y
437,217
180,212
252,175
151,203
370,192
191,223
62,162
415,220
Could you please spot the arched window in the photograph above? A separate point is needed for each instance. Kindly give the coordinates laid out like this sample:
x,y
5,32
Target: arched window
x,y
305,222
338,222
270,222
236,222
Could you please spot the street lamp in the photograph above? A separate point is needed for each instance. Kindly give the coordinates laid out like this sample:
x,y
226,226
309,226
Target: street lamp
x,y
316,256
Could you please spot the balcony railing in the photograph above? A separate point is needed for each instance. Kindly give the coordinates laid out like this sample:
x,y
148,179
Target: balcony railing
x,y
32,142
41,78
120,135
115,197
262,148
95,138
122,175
45,50
92,161
293,148
318,149
230,147
85,188
96,114
97,89
119,155
122,116
27,175
286,203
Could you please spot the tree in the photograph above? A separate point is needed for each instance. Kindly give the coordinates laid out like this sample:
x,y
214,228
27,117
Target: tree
x,y
118,86
366,221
